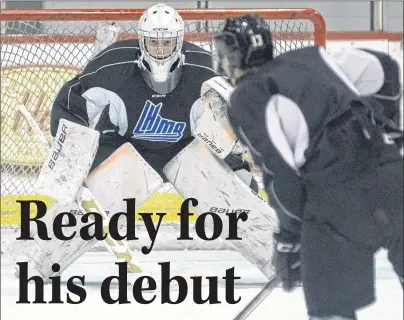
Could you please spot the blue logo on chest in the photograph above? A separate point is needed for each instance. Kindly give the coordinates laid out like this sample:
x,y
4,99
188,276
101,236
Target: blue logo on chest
x,y
151,126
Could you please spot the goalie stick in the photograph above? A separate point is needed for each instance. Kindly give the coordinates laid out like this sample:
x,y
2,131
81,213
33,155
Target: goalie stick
x,y
87,203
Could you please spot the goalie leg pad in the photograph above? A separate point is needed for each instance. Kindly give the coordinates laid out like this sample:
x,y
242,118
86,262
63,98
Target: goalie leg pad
x,y
69,161
196,173
42,254
125,174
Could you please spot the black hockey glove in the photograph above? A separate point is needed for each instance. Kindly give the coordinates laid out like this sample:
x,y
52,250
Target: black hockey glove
x,y
287,259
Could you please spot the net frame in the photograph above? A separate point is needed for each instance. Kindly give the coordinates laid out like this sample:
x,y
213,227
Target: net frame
x,y
319,32
316,36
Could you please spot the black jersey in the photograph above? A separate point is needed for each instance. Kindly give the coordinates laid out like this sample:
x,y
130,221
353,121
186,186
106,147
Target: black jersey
x,y
111,96
305,123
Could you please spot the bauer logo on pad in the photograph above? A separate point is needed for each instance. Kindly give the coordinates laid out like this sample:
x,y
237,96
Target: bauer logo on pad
x,y
151,126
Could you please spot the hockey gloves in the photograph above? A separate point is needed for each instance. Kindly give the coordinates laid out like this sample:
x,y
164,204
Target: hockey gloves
x,y
287,259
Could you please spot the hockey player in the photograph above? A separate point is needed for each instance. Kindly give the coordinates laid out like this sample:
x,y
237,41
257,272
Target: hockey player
x,y
139,91
136,92
332,174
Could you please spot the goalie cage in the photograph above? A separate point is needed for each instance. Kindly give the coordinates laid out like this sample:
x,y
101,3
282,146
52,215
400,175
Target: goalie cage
x,y
42,49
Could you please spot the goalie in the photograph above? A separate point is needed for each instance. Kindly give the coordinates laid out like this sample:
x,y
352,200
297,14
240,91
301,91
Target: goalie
x,y
139,93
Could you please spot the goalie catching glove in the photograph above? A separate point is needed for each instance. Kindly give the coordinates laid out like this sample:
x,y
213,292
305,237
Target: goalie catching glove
x,y
210,125
209,121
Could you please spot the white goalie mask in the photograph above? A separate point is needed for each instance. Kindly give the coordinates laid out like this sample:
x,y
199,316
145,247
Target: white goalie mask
x,y
161,36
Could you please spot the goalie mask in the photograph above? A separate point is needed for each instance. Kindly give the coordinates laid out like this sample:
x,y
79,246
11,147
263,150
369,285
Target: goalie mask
x,y
244,43
161,35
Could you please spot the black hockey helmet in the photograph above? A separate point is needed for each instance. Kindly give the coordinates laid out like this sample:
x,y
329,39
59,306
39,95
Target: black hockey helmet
x,y
246,41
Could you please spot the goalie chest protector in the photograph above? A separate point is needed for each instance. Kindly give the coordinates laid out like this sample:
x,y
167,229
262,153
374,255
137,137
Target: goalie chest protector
x,y
157,125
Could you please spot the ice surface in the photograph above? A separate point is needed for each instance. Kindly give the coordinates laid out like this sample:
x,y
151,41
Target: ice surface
x,y
97,266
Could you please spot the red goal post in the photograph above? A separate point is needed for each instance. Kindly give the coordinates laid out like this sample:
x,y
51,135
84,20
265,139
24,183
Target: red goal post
x,y
317,33
42,49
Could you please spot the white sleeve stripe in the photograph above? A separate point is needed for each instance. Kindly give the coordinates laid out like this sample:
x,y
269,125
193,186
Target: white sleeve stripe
x,y
337,70
390,98
68,95
68,103
196,65
362,68
86,74
279,203
101,54
108,65
287,129
97,99
277,136
203,52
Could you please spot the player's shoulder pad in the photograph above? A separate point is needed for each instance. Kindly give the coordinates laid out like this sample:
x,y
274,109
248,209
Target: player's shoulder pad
x,y
220,85
363,69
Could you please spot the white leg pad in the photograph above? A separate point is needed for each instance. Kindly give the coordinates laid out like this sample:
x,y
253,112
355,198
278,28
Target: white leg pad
x,y
41,254
69,161
196,173
125,174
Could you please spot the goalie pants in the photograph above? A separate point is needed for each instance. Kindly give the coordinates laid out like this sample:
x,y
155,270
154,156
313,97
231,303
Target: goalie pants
x,y
344,225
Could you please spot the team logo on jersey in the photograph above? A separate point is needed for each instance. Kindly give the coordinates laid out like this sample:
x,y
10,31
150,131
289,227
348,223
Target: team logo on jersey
x,y
151,126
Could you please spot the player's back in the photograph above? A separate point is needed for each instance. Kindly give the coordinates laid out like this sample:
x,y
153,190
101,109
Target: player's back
x,y
311,79
308,83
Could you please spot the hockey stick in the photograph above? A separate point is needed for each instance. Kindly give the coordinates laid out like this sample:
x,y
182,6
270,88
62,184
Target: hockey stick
x,y
84,199
274,282
258,299
256,174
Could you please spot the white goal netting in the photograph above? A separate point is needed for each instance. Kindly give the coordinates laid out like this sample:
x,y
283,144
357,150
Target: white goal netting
x,y
42,49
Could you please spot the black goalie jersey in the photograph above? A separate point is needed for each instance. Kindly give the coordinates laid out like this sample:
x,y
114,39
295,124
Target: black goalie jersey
x,y
111,96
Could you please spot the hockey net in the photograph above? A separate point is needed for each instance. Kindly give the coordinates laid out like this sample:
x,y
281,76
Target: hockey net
x,y
42,49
